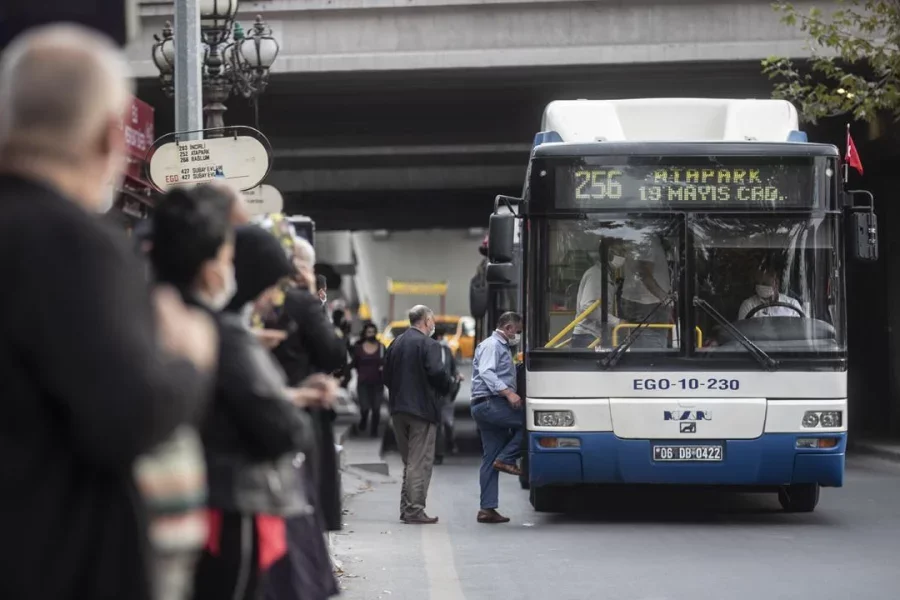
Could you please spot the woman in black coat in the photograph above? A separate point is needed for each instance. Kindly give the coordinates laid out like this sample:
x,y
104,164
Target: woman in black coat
x,y
252,432
309,348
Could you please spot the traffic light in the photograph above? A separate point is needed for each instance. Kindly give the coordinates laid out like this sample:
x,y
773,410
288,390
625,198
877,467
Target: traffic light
x,y
112,17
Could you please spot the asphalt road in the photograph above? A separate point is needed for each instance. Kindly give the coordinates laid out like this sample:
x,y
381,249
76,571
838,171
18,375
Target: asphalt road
x,y
654,545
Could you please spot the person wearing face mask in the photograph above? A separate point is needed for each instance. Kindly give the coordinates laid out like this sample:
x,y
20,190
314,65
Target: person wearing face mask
x,y
590,290
497,410
767,293
311,348
368,362
94,384
252,431
417,381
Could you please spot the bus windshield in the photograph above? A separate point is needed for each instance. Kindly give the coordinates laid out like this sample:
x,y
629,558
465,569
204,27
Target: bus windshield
x,y
775,278
690,285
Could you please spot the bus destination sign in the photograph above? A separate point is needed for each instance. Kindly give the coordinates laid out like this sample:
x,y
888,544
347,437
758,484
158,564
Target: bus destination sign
x,y
685,186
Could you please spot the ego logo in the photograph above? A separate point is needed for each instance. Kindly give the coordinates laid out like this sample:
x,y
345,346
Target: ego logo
x,y
687,415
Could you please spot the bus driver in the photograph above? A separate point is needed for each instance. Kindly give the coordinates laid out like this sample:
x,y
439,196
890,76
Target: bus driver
x,y
767,293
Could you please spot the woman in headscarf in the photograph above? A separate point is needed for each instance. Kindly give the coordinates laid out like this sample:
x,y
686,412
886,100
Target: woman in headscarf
x,y
251,432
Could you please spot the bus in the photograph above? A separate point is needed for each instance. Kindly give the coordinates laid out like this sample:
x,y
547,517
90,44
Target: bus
x,y
680,264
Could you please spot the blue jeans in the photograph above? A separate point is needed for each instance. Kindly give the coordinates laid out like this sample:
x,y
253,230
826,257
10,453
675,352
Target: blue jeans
x,y
500,426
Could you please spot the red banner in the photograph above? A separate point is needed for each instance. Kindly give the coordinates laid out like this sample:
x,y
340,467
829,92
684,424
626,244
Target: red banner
x,y
139,136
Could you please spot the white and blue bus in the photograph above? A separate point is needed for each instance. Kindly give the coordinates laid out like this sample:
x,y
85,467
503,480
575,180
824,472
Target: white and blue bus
x,y
680,264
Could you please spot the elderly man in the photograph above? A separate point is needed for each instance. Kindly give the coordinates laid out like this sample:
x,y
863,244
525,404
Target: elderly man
x,y
88,382
416,379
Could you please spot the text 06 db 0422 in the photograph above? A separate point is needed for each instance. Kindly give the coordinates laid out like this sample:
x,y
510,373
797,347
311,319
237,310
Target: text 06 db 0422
x,y
704,453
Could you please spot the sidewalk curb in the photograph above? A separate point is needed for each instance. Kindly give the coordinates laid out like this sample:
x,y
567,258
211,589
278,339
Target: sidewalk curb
x,y
361,472
875,449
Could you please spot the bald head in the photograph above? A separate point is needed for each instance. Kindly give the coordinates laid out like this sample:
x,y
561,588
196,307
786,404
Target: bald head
x,y
63,92
61,83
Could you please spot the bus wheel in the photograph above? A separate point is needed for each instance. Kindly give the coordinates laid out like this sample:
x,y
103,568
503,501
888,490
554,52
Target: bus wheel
x,y
547,499
799,498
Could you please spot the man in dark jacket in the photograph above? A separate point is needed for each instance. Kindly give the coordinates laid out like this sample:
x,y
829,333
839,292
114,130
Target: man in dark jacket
x,y
416,380
86,388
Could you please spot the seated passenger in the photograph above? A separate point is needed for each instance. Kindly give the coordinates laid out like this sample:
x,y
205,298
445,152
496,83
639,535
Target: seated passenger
x,y
766,294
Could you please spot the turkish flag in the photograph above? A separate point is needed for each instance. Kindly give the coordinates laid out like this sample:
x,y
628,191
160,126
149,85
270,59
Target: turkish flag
x,y
852,157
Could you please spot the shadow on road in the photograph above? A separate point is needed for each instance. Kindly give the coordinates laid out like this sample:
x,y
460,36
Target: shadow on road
x,y
686,506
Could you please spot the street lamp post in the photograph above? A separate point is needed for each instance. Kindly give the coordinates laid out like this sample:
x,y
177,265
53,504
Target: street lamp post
x,y
233,62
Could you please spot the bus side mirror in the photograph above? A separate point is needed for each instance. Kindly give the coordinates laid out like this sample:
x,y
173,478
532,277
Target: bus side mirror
x,y
864,235
501,232
501,274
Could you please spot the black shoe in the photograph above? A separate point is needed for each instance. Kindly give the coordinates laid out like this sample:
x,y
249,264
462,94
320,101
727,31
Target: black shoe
x,y
438,460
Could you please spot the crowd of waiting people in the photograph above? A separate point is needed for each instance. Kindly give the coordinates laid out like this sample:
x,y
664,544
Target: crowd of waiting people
x,y
167,431
168,424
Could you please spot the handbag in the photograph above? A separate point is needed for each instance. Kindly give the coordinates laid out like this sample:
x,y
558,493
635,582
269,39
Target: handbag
x,y
272,487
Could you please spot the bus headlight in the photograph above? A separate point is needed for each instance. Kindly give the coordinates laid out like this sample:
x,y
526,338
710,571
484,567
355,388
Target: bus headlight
x,y
828,418
832,418
554,418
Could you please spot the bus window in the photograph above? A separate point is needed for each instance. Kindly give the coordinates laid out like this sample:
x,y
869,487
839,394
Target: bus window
x,y
639,273
771,276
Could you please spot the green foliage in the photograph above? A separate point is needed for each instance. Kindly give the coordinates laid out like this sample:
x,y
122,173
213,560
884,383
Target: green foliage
x,y
855,64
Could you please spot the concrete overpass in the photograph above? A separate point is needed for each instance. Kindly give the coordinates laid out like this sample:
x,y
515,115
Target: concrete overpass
x,y
432,104
414,114
334,36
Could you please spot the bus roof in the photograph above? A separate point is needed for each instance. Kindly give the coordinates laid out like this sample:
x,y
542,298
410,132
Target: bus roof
x,y
684,149
670,120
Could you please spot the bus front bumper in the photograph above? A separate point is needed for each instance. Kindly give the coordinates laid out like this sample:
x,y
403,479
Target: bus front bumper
x,y
773,459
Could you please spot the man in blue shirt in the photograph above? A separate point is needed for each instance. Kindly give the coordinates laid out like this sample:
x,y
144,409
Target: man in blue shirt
x,y
497,410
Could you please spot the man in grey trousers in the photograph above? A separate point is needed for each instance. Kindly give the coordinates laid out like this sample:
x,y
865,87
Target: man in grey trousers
x,y
417,381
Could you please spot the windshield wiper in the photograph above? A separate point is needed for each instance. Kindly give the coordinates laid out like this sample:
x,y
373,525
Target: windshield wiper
x,y
766,361
613,357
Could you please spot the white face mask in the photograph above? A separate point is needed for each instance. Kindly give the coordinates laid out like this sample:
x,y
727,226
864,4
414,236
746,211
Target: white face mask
x,y
616,261
221,300
514,340
765,292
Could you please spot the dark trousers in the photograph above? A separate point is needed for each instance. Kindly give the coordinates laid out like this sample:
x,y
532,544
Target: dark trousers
x,y
444,441
370,397
234,572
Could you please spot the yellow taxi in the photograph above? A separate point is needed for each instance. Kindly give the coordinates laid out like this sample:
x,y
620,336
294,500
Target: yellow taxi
x,y
458,331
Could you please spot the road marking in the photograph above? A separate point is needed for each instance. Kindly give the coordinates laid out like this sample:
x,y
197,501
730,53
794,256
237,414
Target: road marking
x,y
443,580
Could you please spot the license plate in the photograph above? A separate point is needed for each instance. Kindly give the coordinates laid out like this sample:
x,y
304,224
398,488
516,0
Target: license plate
x,y
696,453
